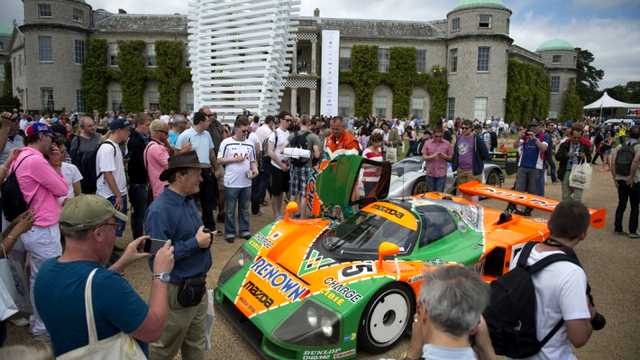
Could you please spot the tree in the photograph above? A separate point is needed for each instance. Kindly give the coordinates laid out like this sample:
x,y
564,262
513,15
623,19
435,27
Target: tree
x,y
588,77
572,106
627,93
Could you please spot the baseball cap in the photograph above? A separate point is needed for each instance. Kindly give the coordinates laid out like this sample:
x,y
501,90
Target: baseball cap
x,y
87,211
119,123
38,128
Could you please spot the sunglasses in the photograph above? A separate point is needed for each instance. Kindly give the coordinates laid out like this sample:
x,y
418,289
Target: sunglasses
x,y
465,128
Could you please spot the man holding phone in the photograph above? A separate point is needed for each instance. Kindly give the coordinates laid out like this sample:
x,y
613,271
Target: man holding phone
x,y
532,145
173,215
437,152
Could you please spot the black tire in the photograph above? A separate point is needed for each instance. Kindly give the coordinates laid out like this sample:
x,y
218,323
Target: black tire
x,y
396,317
494,179
420,186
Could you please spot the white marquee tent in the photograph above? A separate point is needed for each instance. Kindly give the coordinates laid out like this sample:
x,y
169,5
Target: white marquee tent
x,y
607,101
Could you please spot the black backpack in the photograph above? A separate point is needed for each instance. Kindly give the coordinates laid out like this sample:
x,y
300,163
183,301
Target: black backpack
x,y
494,140
624,158
511,314
300,141
13,203
86,163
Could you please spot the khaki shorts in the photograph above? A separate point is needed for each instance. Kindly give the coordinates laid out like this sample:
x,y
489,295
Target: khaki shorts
x,y
464,176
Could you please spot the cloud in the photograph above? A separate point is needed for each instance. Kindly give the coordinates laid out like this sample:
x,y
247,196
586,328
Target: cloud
x,y
603,4
613,42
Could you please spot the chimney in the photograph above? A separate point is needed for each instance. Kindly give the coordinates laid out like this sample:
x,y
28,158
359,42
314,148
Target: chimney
x,y
316,12
122,11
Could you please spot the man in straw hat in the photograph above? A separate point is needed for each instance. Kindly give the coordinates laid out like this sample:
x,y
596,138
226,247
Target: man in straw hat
x,y
173,216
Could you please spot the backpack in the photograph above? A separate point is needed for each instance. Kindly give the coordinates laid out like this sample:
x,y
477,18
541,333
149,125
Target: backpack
x,y
300,141
87,166
511,314
494,140
13,203
624,158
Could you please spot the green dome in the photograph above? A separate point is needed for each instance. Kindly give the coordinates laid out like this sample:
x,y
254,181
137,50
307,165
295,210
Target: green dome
x,y
555,44
466,4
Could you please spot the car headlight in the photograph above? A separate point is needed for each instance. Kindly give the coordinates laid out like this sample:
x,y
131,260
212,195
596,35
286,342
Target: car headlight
x,y
237,262
311,325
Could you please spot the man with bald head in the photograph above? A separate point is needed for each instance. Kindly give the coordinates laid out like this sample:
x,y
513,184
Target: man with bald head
x,y
82,146
156,155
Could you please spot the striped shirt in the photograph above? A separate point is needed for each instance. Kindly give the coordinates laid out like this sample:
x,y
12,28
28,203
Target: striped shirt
x,y
371,173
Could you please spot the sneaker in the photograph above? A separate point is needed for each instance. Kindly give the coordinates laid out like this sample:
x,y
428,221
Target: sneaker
x,y
246,236
230,239
634,235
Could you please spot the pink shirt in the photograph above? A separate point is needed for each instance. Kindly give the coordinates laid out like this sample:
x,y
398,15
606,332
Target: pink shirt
x,y
437,167
156,159
41,185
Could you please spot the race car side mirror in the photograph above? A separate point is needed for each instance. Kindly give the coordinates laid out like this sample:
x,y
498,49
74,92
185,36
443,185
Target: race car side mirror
x,y
386,249
290,210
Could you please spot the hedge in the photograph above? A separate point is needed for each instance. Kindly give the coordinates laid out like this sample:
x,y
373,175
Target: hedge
x,y
527,92
572,104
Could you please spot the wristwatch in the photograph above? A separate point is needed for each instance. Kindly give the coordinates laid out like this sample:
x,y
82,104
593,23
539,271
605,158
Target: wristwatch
x,y
163,276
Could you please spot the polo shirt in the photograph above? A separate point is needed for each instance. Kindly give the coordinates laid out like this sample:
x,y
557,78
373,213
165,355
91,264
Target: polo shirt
x,y
201,143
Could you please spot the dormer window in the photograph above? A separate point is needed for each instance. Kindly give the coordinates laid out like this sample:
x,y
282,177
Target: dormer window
x,y
484,22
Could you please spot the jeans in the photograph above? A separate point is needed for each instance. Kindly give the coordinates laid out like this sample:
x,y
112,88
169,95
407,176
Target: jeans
x,y
632,195
528,180
138,195
124,208
208,201
259,187
436,183
553,171
568,192
236,197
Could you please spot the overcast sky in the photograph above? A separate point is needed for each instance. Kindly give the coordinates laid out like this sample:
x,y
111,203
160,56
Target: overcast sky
x,y
610,29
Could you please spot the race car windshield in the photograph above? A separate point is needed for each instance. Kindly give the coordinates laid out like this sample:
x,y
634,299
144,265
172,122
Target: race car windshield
x,y
364,232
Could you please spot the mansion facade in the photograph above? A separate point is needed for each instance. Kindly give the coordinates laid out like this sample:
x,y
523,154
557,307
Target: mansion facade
x,y
473,44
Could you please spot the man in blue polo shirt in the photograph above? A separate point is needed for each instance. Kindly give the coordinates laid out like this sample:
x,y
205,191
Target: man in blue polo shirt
x,y
532,144
88,223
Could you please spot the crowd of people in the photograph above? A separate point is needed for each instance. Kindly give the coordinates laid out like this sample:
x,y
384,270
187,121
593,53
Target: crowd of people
x,y
182,174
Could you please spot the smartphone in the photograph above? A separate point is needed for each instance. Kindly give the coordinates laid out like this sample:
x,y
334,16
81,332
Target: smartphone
x,y
152,246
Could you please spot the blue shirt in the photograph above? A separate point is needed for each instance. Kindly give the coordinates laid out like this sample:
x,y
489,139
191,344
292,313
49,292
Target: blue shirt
x,y
173,138
433,352
201,143
58,294
175,217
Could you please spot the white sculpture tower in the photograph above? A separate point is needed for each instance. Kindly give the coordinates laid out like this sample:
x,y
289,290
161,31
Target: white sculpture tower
x,y
240,52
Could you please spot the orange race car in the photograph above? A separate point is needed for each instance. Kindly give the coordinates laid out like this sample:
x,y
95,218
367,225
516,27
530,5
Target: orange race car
x,y
323,289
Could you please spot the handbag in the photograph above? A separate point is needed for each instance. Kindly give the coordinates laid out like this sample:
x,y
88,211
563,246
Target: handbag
x,y
117,347
14,279
580,177
191,291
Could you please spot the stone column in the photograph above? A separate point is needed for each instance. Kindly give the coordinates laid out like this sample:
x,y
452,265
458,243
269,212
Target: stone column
x,y
294,58
294,101
312,102
314,57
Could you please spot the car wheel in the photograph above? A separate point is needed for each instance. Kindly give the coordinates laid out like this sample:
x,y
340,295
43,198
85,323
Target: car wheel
x,y
494,179
420,186
386,318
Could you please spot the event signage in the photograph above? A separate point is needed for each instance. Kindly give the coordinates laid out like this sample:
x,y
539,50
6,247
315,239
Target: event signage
x,y
329,72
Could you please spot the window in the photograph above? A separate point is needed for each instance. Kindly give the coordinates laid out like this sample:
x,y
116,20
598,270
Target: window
x,y
154,100
80,105
78,53
417,107
46,97
556,59
383,60
451,108
483,58
1,45
44,47
484,22
508,24
113,54
151,55
187,59
421,60
78,15
116,100
44,10
455,24
555,84
480,108
436,222
344,105
2,76
453,60
380,106
345,59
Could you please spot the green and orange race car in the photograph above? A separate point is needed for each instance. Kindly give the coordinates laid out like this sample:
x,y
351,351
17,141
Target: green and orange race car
x,y
323,289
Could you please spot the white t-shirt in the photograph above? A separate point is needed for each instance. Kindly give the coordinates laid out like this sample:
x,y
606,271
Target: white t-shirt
x,y
107,160
560,294
283,141
235,174
71,175
253,140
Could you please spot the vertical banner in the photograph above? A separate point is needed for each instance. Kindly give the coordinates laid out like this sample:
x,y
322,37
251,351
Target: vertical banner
x,y
329,73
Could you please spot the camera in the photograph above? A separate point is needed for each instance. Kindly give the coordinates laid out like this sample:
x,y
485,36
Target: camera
x,y
599,321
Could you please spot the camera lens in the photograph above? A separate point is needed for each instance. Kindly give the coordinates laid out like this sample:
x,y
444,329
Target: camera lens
x,y
598,322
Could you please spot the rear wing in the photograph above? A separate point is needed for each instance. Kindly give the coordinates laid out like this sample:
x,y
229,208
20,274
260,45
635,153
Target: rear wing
x,y
475,188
